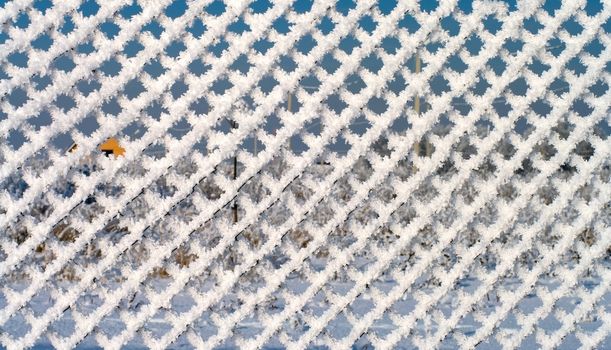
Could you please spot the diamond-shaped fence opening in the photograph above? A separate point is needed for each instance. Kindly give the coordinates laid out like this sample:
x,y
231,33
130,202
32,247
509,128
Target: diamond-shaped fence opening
x,y
304,174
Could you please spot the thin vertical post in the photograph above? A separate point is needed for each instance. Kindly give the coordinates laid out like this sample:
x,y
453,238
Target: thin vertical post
x,y
418,67
235,176
254,142
428,149
289,107
417,101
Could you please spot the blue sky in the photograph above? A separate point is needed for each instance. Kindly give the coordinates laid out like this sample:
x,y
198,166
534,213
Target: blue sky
x,y
177,8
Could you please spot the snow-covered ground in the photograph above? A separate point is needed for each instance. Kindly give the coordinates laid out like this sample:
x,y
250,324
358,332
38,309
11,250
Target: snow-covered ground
x,y
112,324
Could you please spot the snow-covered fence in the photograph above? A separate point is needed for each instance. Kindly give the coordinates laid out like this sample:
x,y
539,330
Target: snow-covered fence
x,y
239,218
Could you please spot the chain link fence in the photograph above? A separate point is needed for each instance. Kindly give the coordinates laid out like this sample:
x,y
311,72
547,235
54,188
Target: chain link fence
x,y
305,174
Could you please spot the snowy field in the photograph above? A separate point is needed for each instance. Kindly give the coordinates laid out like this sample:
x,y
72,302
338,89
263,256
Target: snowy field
x,y
112,324
297,282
